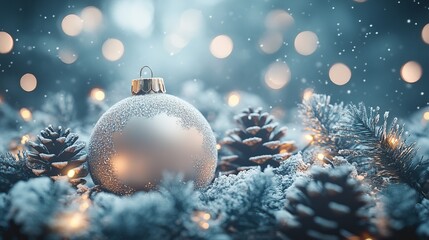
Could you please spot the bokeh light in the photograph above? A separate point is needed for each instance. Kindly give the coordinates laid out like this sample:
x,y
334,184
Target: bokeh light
x,y
426,116
191,21
67,56
6,42
277,75
306,43
221,46
92,18
97,94
271,42
411,72
340,74
112,49
233,99
26,114
174,42
28,82
71,173
134,15
308,93
278,20
72,25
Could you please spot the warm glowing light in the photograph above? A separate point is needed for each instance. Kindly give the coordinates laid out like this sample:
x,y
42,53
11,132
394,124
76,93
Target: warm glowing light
x,y
25,139
67,56
92,18
277,75
6,42
278,20
233,99
425,33
206,216
426,116
174,42
97,94
204,225
320,156
26,114
71,173
271,42
28,82
340,74
306,43
112,49
72,25
393,141
309,137
84,206
411,72
218,146
221,46
308,93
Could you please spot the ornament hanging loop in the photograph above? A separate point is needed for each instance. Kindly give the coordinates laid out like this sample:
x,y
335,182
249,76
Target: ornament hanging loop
x,y
150,69
145,85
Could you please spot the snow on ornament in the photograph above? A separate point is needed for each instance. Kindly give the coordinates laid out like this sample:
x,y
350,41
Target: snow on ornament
x,y
147,134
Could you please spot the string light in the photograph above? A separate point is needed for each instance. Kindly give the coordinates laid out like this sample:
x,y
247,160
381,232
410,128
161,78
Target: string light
x,y
321,156
393,141
308,93
218,146
71,173
97,94
233,99
26,114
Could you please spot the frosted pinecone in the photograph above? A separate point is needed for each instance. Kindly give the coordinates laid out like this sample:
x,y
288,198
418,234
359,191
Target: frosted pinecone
x,y
255,143
58,155
332,205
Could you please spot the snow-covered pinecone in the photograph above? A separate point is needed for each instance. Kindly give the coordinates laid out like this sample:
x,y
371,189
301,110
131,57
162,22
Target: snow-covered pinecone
x,y
255,143
58,155
12,170
332,205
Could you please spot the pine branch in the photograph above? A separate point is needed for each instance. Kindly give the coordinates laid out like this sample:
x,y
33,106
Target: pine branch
x,y
322,119
12,170
393,159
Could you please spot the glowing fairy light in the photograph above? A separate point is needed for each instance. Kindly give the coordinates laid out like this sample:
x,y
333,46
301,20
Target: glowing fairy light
x,y
308,93
426,116
393,141
97,94
306,43
277,75
6,42
340,74
72,25
221,46
202,219
28,82
25,139
92,18
411,72
71,173
233,99
218,146
26,114
70,223
112,49
309,137
321,156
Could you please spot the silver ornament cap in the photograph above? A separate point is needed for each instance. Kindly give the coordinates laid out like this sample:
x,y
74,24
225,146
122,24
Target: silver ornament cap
x,y
143,86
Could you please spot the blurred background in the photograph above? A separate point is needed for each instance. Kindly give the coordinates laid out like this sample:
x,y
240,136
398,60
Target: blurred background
x,y
66,62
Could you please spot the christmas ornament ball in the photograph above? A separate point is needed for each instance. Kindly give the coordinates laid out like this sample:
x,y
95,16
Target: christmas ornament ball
x,y
141,137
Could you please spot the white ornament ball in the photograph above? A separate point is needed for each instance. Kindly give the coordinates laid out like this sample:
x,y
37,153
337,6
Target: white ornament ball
x,y
143,136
